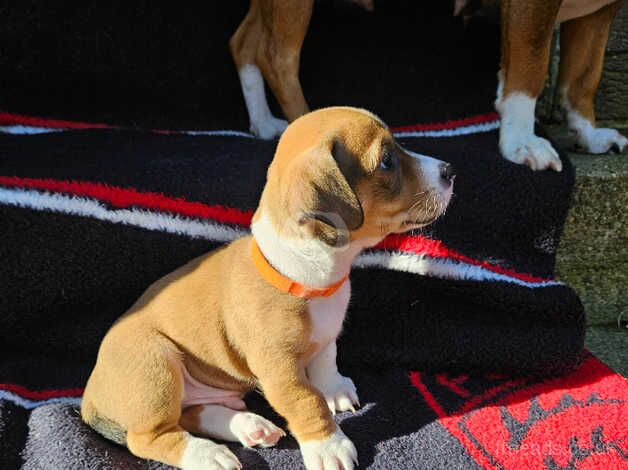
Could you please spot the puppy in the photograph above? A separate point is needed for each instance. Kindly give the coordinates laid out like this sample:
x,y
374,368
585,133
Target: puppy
x,y
264,312
268,44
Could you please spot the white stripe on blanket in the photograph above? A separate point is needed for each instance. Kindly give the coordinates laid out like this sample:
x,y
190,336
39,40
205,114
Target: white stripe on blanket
x,y
208,230
30,404
454,132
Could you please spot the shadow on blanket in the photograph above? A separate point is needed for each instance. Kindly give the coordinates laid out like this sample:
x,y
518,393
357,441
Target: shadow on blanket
x,y
408,420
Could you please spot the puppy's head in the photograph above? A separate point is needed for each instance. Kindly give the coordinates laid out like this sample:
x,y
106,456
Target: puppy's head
x,y
339,175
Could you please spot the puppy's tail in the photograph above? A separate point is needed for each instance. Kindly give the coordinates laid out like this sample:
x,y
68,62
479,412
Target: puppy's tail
x,y
104,426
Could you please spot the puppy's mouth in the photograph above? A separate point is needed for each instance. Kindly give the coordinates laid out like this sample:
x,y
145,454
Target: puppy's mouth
x,y
423,213
419,223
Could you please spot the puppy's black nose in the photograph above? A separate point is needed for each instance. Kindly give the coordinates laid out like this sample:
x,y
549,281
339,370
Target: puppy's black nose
x,y
447,172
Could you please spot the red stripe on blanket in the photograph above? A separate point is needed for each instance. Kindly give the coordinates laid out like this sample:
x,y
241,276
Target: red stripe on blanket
x,y
574,421
129,198
41,394
10,119
430,399
453,384
437,249
478,119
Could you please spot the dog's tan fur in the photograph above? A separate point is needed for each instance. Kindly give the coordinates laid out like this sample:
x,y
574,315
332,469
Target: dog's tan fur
x,y
582,46
526,34
219,319
272,34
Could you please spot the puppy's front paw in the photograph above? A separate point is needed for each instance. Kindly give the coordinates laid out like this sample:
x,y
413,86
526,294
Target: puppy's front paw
x,y
341,394
203,454
269,127
336,452
601,140
530,150
253,430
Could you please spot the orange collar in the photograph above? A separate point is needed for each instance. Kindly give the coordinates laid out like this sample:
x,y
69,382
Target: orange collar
x,y
287,285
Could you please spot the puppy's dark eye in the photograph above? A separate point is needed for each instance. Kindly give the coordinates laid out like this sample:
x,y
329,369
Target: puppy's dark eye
x,y
388,162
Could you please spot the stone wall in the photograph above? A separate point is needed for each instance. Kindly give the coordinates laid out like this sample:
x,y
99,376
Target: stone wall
x,y
593,255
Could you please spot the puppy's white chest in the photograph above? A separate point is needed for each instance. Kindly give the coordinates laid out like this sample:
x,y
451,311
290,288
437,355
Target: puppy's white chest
x,y
327,315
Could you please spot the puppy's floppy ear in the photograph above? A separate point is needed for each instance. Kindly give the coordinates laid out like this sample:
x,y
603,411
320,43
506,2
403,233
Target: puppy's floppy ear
x,y
321,191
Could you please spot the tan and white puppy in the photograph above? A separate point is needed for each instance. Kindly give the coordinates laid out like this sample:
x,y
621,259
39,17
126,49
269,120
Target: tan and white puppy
x,y
267,45
265,311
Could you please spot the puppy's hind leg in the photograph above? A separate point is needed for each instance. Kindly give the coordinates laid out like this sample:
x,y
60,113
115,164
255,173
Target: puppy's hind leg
x,y
243,45
526,35
153,410
582,45
231,425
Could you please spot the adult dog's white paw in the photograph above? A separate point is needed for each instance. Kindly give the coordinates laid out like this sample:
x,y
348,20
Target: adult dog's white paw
x,y
601,140
253,430
517,141
263,123
336,452
341,394
531,150
268,127
203,454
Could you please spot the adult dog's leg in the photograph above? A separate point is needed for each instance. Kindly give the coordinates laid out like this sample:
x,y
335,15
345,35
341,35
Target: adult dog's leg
x,y
582,45
226,424
244,45
526,36
285,23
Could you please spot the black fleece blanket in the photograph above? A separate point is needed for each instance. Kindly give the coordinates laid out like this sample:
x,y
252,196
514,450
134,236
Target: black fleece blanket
x,y
92,214
408,420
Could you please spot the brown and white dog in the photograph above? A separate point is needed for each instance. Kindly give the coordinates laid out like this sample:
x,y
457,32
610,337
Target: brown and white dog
x,y
265,311
268,44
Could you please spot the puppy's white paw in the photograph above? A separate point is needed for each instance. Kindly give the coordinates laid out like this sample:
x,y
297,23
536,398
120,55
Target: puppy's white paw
x,y
341,394
268,127
336,452
530,150
601,140
203,454
253,430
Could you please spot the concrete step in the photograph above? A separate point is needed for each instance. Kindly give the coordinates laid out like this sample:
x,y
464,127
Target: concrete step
x,y
610,344
593,255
